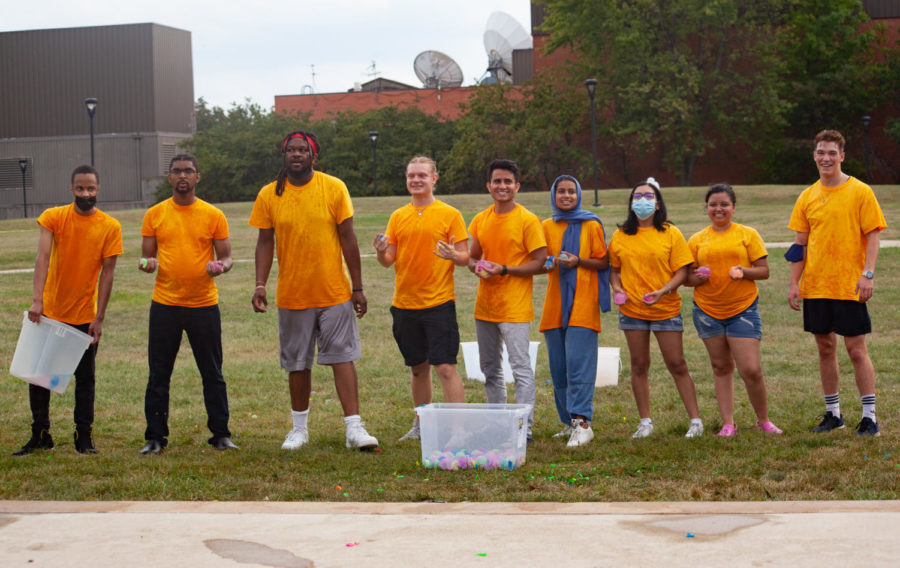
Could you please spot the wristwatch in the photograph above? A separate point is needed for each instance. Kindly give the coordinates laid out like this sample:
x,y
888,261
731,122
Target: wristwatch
x,y
868,274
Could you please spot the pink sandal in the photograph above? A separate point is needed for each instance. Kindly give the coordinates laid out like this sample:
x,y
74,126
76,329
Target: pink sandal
x,y
768,427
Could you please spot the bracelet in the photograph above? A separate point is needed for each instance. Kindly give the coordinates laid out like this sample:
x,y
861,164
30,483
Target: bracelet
x,y
668,290
357,289
260,286
577,261
504,271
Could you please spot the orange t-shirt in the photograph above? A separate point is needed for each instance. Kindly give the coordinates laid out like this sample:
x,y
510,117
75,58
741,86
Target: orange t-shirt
x,y
423,279
720,296
79,246
310,259
647,260
585,306
837,220
507,239
184,240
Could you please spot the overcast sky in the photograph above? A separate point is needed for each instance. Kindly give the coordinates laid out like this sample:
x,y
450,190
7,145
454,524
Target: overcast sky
x,y
265,48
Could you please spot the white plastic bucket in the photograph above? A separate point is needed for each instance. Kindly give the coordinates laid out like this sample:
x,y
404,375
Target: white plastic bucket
x,y
608,366
473,361
48,353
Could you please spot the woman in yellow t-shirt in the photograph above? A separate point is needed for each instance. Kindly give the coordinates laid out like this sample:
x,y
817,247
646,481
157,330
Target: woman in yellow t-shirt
x,y
649,260
577,289
728,258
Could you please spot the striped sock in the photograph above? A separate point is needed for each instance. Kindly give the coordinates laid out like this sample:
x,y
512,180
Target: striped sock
x,y
868,404
833,404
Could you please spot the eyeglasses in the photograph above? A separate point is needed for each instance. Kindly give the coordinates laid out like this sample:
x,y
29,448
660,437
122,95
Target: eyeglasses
x,y
177,172
648,195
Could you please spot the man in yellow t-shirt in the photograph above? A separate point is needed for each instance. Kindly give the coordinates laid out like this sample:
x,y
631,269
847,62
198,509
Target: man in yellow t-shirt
x,y
507,248
308,217
187,239
421,238
838,223
78,247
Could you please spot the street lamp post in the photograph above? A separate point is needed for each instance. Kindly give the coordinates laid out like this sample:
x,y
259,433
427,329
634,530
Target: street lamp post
x,y
374,136
591,85
866,121
23,165
91,104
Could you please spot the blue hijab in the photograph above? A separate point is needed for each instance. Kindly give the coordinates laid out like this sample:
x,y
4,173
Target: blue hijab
x,y
572,243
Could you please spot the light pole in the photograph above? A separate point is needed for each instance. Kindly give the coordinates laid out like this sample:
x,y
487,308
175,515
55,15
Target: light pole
x,y
591,85
374,136
23,165
91,104
866,121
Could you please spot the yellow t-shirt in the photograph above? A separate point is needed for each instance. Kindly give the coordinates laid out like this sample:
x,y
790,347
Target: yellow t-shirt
x,y
310,260
720,296
837,220
507,239
184,240
585,306
423,279
647,260
79,246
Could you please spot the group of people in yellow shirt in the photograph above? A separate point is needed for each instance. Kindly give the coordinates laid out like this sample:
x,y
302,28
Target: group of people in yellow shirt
x,y
306,218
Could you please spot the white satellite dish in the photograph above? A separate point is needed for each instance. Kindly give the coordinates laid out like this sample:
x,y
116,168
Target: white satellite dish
x,y
502,36
437,70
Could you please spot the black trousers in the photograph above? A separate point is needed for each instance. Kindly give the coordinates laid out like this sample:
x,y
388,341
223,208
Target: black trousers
x,y
39,397
204,330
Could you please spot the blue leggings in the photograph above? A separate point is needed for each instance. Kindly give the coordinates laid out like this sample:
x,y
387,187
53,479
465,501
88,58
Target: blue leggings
x,y
572,353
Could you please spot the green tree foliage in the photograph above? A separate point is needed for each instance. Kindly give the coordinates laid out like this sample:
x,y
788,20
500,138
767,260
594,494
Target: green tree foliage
x,y
678,77
535,124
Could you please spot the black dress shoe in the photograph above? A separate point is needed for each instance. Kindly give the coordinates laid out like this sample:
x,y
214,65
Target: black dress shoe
x,y
84,444
40,440
224,443
152,447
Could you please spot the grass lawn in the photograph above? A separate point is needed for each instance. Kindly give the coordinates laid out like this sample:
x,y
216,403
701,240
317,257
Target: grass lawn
x,y
665,467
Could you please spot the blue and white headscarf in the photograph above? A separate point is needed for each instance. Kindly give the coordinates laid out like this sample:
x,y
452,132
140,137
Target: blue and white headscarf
x,y
572,242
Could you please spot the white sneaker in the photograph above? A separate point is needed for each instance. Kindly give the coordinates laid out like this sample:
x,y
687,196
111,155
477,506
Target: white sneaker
x,y
295,439
581,434
565,432
643,431
695,431
357,437
413,434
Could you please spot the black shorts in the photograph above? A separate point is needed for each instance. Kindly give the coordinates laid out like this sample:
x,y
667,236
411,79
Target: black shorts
x,y
843,317
430,335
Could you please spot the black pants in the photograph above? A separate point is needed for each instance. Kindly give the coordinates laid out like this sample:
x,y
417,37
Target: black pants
x,y
204,330
39,397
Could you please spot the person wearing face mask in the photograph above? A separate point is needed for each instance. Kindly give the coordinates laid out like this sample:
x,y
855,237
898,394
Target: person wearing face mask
x,y
650,259
77,249
577,289
729,258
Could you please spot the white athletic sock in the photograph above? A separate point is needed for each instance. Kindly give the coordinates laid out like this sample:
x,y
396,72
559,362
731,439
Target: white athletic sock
x,y
300,418
868,405
697,421
646,421
352,420
833,404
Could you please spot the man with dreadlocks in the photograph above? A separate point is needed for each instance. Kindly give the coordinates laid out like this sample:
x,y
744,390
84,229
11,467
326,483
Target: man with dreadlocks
x,y
308,217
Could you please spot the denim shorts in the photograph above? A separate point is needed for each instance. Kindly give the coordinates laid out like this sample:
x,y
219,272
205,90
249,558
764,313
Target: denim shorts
x,y
630,323
745,324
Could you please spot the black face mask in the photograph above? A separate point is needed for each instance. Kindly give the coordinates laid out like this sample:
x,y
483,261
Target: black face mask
x,y
85,203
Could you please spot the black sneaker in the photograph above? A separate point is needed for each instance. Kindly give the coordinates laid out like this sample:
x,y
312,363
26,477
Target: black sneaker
x,y
867,427
829,422
40,440
83,442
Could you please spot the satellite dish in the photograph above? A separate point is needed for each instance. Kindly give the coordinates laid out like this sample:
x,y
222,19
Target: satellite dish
x,y
502,36
437,71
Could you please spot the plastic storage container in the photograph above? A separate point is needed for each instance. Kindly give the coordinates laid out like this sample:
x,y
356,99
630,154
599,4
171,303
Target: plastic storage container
x,y
473,436
48,353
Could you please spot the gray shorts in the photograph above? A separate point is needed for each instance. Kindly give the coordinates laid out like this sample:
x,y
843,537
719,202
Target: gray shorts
x,y
333,327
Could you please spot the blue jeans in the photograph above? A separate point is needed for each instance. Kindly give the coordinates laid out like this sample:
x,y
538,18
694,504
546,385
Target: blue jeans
x,y
572,353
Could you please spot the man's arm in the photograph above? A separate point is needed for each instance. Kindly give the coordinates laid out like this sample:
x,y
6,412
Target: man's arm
x,y
223,257
265,253
865,287
458,252
104,291
148,255
385,252
350,249
794,300
41,268
475,254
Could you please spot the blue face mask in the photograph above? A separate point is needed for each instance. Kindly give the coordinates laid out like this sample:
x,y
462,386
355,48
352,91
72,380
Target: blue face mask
x,y
643,208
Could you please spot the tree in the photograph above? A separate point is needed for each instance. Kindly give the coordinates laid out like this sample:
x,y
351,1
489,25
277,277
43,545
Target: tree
x,y
677,76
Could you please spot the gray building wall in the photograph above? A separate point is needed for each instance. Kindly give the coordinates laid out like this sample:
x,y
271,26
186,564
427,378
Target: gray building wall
x,y
142,76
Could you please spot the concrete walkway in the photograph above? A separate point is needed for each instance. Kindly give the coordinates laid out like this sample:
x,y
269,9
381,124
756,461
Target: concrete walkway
x,y
373,535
